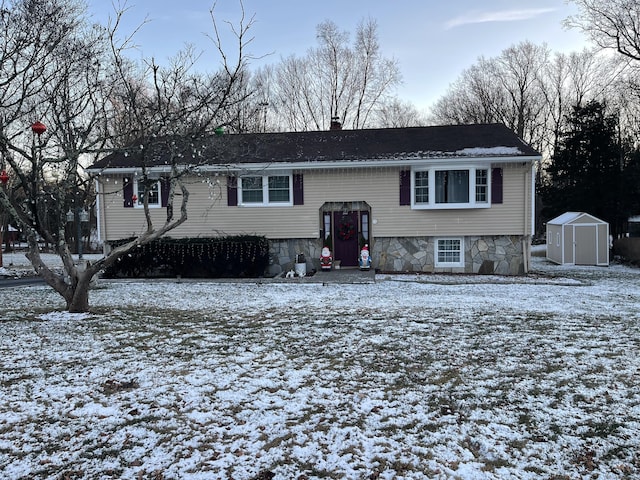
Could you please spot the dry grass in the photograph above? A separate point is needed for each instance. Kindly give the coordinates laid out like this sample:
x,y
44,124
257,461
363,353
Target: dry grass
x,y
265,381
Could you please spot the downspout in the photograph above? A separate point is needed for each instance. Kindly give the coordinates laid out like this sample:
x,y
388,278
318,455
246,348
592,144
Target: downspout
x,y
526,238
533,199
99,215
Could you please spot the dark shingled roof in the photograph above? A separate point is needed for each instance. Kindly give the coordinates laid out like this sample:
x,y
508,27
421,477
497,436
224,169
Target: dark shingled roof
x,y
332,145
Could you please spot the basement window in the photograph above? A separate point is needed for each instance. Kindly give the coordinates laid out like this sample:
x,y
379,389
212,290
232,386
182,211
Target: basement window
x,y
449,252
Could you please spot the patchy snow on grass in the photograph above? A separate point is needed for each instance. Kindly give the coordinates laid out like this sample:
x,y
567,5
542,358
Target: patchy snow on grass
x,y
412,377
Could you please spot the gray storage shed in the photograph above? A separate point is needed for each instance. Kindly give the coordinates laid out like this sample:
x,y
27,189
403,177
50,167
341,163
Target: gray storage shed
x,y
577,238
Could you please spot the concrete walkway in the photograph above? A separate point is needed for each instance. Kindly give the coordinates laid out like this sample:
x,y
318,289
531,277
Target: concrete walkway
x,y
347,275
342,275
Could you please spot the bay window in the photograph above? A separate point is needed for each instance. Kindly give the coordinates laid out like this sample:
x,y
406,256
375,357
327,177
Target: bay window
x,y
467,187
452,186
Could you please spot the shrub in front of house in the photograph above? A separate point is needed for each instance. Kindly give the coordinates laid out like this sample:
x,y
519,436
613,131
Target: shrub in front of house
x,y
221,257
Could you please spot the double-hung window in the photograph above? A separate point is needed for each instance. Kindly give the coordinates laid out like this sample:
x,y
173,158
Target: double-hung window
x,y
434,188
449,252
422,187
265,190
482,185
150,188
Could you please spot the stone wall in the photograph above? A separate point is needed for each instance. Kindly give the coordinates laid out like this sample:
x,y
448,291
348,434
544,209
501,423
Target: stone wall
x,y
282,254
502,255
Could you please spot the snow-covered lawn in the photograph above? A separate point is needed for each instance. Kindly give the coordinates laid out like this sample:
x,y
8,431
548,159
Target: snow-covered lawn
x,y
411,377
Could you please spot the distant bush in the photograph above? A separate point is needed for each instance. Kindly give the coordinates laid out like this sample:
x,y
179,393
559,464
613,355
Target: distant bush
x,y
628,248
220,257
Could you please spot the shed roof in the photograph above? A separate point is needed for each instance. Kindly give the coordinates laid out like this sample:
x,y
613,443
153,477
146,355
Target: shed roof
x,y
452,141
570,217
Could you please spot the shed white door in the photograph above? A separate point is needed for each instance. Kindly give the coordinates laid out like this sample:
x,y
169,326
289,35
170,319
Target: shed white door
x,y
586,245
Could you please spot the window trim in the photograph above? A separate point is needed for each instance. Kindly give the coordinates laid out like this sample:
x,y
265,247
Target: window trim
x,y
265,190
431,204
436,248
138,203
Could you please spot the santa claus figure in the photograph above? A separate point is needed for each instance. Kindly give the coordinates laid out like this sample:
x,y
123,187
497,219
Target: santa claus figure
x,y
326,260
365,260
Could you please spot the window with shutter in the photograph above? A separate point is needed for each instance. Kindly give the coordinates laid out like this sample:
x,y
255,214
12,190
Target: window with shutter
x,y
443,188
274,190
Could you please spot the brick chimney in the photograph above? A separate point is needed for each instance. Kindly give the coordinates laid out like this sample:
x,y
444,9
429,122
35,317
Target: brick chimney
x,y
335,124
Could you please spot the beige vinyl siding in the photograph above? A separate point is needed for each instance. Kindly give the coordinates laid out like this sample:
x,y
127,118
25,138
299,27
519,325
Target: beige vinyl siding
x,y
380,188
209,214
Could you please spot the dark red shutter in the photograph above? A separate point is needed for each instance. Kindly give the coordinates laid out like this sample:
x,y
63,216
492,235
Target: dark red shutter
x,y
232,191
127,192
496,185
405,187
298,189
165,185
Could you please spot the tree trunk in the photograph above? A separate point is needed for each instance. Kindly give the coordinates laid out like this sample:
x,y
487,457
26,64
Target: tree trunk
x,y
78,301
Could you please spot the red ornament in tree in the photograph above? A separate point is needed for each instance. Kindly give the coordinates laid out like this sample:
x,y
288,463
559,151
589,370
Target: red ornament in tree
x,y
4,177
38,128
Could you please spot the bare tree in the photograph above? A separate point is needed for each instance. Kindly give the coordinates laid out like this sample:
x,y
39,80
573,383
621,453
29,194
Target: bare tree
x,y
518,75
611,24
395,113
530,90
54,70
76,79
572,79
333,80
472,98
615,25
504,89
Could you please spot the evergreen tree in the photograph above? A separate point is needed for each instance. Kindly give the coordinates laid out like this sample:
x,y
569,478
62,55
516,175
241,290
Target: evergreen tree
x,y
589,168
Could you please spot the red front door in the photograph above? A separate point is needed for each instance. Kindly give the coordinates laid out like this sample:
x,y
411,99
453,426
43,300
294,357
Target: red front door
x,y
346,235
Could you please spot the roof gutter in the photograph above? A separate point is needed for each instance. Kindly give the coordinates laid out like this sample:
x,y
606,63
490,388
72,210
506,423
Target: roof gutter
x,y
316,165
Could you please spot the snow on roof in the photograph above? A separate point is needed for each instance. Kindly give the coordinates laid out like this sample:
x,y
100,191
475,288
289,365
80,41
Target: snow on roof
x,y
564,218
488,151
569,217
331,146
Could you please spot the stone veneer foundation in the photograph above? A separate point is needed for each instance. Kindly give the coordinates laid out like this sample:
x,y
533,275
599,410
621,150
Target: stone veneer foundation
x,y
501,255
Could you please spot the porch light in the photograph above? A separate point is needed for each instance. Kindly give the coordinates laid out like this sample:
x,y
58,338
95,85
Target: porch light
x,y
84,216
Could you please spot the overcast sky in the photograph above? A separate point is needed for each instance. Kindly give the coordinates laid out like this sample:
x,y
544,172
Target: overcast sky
x,y
433,40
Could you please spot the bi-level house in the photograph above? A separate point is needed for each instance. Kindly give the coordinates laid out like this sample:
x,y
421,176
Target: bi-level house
x,y
425,199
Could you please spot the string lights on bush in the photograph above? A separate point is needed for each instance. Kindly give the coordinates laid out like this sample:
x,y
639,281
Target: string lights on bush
x,y
235,256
